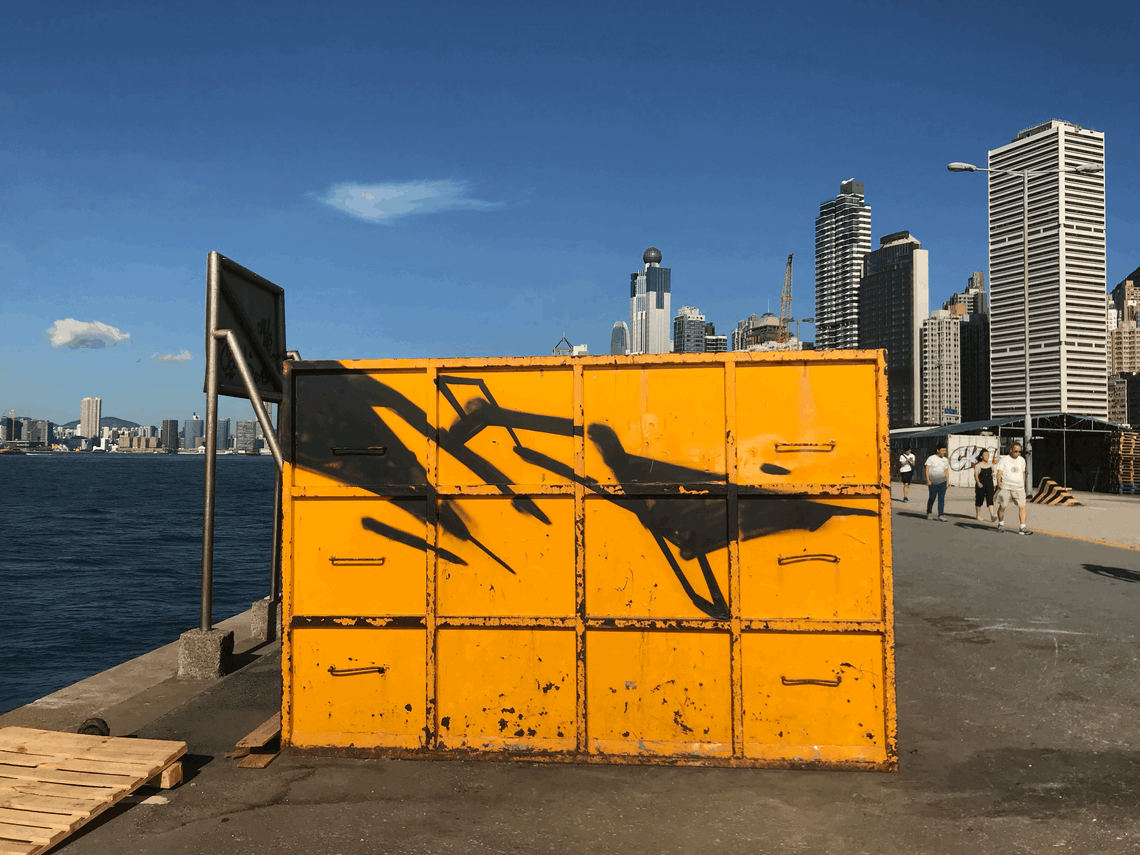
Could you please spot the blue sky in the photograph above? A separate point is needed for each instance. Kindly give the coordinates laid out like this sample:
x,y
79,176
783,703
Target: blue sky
x,y
520,157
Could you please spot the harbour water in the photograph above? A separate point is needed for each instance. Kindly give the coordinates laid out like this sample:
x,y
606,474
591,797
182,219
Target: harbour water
x,y
100,558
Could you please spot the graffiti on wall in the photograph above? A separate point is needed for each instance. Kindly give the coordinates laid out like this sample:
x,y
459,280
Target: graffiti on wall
x,y
343,414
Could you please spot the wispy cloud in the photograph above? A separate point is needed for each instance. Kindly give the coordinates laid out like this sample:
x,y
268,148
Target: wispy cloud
x,y
82,334
184,356
382,203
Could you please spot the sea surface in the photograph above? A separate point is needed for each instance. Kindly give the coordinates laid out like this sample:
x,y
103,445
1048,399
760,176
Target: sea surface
x,y
101,558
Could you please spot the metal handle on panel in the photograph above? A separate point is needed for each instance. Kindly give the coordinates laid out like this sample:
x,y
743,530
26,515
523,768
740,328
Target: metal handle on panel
x,y
352,672
338,562
374,450
832,683
806,446
812,556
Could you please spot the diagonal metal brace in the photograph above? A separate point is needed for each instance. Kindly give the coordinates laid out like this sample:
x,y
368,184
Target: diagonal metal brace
x,y
254,396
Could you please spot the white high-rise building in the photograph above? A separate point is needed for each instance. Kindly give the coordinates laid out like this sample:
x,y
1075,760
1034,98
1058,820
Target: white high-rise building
x,y
842,239
90,412
941,368
650,320
1067,339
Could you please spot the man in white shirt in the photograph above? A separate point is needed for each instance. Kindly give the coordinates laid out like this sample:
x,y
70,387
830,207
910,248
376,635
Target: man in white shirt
x,y
1011,486
937,474
906,471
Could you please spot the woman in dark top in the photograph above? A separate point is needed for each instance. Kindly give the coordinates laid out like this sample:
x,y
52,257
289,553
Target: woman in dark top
x,y
984,484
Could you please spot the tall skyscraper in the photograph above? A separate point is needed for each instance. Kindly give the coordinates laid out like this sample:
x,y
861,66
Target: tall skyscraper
x,y
619,339
90,413
223,433
941,369
649,311
689,331
191,430
842,239
1066,274
894,299
169,435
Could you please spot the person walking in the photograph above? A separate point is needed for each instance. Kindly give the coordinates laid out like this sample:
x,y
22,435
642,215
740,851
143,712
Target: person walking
x,y
906,471
984,484
937,472
1011,486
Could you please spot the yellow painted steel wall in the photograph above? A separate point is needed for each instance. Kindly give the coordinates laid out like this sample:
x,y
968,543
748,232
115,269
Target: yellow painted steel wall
x,y
652,559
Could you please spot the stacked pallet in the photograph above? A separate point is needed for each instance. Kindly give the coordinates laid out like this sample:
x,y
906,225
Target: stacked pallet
x,y
53,783
1124,462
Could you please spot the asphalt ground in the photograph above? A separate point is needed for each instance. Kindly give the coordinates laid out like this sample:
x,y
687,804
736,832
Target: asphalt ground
x,y
1017,662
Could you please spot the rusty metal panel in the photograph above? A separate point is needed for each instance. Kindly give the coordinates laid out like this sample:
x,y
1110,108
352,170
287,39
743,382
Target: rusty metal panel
x,y
807,424
357,687
506,689
539,554
666,559
351,558
652,693
814,697
832,572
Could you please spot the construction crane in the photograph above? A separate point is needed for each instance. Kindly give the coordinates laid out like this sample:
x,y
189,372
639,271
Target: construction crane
x,y
783,333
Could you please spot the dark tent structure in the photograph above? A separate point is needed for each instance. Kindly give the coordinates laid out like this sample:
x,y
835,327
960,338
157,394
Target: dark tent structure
x,y
1070,449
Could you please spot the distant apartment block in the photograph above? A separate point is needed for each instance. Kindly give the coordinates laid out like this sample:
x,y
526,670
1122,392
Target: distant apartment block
x,y
971,307
649,310
1123,334
941,369
842,240
757,332
90,414
689,331
246,436
1067,338
714,343
619,339
894,299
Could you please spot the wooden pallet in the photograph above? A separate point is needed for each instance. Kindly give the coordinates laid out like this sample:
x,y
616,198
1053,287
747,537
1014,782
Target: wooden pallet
x,y
53,783
261,747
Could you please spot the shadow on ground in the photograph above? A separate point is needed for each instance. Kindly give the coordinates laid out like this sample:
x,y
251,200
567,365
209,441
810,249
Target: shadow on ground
x,y
1039,783
1113,572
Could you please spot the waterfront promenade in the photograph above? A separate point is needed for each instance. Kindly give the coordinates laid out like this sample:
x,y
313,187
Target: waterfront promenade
x,y
1018,732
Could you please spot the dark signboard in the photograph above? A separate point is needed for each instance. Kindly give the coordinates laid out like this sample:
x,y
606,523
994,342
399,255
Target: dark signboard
x,y
254,309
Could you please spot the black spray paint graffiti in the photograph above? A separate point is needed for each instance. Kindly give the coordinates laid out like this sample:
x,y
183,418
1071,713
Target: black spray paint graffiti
x,y
965,457
340,412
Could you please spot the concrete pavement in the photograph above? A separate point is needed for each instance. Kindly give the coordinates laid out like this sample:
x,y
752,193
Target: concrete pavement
x,y
1101,517
1018,696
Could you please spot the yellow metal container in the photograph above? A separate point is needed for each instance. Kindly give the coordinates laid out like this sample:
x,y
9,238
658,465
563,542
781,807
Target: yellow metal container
x,y
651,559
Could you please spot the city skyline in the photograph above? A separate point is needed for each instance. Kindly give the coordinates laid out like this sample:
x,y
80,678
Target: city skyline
x,y
407,199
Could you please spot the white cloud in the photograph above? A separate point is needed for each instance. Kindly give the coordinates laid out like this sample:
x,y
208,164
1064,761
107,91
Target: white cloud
x,y
80,334
380,203
184,356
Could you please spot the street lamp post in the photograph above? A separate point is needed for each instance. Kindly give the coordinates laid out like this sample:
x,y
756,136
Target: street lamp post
x,y
1081,169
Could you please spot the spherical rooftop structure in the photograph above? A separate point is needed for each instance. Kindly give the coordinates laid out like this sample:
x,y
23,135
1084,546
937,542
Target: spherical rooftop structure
x,y
651,255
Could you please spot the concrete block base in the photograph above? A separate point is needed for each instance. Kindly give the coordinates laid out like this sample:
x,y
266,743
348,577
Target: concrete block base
x,y
204,655
265,621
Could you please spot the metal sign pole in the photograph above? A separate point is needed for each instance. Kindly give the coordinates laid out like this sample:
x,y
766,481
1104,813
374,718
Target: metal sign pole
x,y
275,560
206,620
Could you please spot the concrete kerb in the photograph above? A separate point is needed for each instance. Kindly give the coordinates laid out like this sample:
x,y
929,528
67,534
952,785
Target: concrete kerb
x,y
135,693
